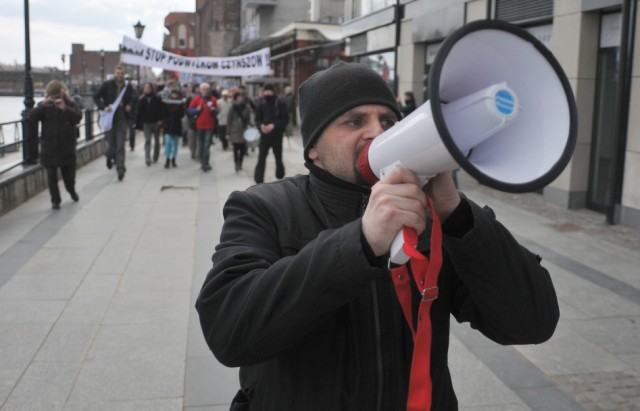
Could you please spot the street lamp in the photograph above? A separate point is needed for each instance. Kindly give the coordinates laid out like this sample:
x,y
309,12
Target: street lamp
x,y
84,75
139,29
64,59
29,130
102,65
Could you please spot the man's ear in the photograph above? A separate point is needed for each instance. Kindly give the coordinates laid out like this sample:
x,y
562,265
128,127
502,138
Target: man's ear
x,y
313,154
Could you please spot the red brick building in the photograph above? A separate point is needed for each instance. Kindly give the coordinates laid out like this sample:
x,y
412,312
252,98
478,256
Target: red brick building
x,y
89,68
181,37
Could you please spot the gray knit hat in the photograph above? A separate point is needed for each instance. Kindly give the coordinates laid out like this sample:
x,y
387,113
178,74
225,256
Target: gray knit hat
x,y
329,93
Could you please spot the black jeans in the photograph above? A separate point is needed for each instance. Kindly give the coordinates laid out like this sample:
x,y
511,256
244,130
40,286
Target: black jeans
x,y
267,142
68,177
238,153
222,135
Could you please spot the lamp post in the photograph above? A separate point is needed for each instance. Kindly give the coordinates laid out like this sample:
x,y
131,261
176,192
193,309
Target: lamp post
x,y
84,75
29,129
139,29
102,65
64,59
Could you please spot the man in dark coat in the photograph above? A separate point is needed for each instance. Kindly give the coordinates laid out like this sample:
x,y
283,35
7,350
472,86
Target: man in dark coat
x,y
135,97
116,137
271,119
59,116
301,295
149,119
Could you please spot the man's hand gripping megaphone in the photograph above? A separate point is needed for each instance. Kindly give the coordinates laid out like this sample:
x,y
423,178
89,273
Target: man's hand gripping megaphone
x,y
398,201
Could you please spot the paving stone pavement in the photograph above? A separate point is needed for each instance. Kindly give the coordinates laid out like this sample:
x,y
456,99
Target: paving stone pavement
x,y
96,299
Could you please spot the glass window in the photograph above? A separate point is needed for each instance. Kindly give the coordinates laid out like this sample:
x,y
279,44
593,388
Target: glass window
x,y
364,7
605,139
182,35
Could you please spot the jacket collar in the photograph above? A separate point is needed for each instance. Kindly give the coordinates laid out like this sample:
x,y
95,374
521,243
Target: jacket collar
x,y
341,199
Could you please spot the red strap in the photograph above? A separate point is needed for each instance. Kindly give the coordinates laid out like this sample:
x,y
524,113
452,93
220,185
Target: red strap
x,y
425,274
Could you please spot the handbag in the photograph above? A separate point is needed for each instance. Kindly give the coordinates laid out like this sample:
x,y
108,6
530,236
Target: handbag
x,y
105,118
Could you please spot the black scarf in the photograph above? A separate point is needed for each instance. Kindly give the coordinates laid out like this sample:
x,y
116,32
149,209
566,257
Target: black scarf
x,y
239,108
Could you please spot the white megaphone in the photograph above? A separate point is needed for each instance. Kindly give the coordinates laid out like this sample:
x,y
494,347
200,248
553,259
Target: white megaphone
x,y
500,107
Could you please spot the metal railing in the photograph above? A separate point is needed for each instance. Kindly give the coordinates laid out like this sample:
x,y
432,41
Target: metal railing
x,y
12,140
16,140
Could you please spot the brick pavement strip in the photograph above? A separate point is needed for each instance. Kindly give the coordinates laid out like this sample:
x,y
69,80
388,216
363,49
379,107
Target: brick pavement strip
x,y
603,391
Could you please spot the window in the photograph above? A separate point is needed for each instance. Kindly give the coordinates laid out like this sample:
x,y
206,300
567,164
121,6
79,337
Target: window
x,y
363,7
518,10
182,36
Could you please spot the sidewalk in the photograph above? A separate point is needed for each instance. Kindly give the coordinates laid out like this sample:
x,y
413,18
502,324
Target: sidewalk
x,y
96,299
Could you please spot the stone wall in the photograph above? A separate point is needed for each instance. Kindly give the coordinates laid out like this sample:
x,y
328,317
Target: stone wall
x,y
23,182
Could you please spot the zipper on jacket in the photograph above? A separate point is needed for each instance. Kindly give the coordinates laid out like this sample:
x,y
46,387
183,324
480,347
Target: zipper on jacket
x,y
376,319
377,327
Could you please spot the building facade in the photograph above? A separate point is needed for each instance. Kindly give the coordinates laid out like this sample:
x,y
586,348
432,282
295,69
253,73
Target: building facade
x,y
595,42
303,36
88,69
217,27
181,37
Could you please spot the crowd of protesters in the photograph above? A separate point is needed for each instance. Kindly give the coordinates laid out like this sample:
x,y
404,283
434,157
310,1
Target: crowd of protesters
x,y
190,115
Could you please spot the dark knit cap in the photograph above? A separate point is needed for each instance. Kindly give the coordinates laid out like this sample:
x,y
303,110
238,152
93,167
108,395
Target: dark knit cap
x,y
268,86
330,93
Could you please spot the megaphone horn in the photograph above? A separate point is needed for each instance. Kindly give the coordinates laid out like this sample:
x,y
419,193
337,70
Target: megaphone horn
x,y
500,107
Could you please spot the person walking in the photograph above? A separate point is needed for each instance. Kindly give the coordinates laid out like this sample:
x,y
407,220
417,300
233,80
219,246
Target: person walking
x,y
238,119
205,108
290,102
271,119
303,298
174,110
409,104
186,95
59,116
192,141
135,98
224,103
150,120
104,98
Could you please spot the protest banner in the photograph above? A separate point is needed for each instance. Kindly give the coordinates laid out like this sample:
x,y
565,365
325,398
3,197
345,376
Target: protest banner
x,y
257,63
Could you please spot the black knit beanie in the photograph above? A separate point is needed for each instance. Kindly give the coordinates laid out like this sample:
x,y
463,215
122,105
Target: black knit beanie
x,y
329,93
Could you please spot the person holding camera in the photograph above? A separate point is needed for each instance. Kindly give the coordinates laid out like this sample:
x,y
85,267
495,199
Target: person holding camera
x,y
59,116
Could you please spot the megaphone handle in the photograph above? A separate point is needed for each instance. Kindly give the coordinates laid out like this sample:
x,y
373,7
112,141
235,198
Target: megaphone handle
x,y
396,252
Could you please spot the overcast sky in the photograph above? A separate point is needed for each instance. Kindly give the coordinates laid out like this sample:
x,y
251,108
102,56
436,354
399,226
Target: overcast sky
x,y
98,24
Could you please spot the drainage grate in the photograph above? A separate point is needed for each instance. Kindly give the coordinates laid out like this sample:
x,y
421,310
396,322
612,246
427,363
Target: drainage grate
x,y
177,188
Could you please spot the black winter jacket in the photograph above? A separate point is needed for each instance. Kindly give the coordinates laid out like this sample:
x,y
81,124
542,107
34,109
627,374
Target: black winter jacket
x,y
58,135
314,324
173,113
150,110
272,112
107,94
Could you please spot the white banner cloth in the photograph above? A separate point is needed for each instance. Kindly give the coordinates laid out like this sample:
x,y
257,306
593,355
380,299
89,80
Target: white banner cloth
x,y
257,63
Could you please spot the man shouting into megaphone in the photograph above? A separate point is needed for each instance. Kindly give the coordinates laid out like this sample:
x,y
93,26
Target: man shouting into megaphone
x,y
302,296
